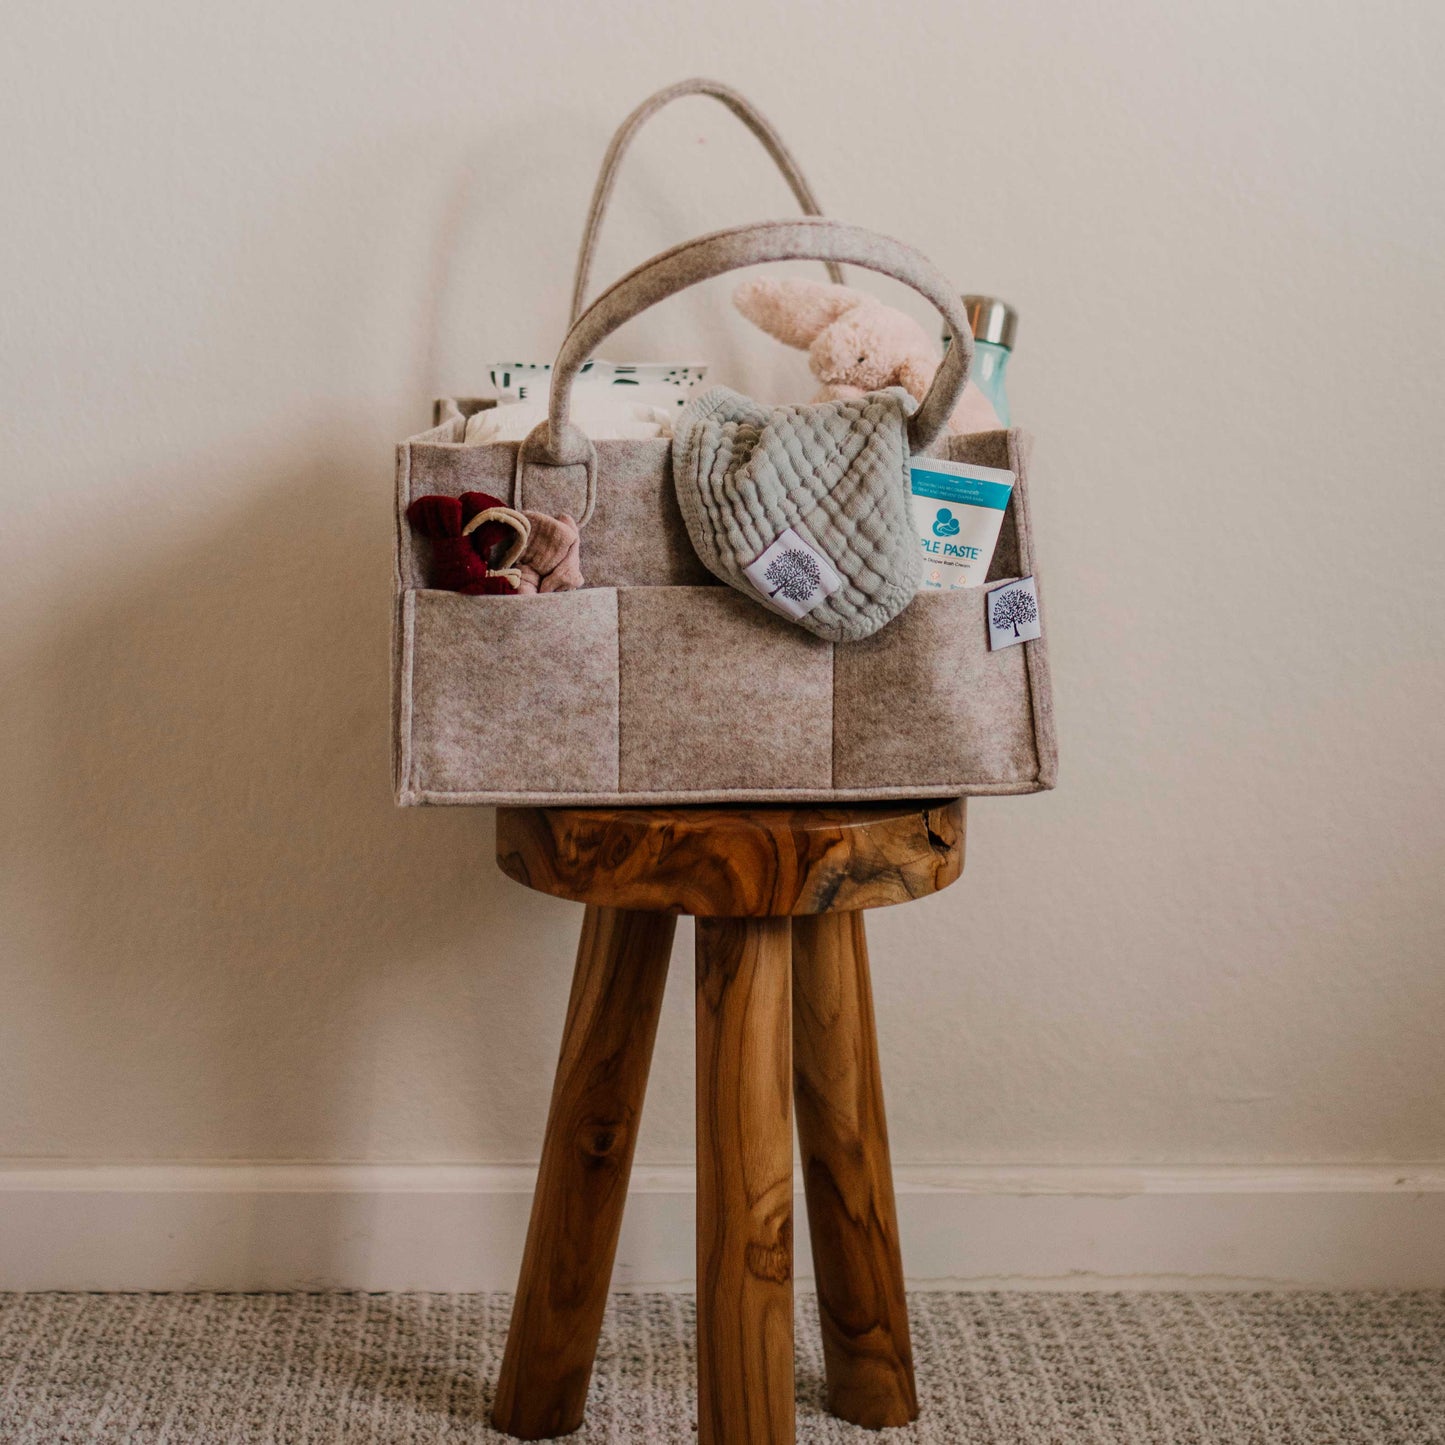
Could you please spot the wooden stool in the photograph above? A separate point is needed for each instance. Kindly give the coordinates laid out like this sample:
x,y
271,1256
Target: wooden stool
x,y
769,886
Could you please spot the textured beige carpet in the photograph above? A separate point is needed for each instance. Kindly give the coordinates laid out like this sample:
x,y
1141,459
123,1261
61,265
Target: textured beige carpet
x,y
993,1369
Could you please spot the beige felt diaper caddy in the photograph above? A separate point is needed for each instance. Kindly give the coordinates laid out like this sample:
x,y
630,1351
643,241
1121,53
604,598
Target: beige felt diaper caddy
x,y
655,683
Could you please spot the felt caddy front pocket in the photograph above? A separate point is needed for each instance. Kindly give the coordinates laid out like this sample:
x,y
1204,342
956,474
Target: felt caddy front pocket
x,y
506,696
648,694
719,695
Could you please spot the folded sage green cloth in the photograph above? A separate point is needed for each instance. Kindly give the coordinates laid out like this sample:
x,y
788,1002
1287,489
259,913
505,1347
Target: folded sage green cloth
x,y
805,508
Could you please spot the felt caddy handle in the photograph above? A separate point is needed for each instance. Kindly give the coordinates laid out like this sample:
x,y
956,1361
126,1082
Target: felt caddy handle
x,y
557,443
741,107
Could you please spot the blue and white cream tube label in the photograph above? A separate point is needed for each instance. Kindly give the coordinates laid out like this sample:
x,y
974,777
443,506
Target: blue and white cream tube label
x,y
958,508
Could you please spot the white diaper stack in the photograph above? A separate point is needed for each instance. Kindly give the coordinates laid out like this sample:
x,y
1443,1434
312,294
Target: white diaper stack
x,y
610,400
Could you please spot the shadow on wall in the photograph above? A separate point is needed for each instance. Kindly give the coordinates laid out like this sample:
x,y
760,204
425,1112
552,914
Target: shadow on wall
x,y
229,943
242,948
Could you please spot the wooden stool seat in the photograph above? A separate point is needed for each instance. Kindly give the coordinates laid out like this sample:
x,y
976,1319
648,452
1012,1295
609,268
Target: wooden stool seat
x,y
784,1015
739,862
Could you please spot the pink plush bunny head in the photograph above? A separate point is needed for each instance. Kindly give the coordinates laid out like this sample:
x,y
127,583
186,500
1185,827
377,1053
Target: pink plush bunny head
x,y
853,340
872,346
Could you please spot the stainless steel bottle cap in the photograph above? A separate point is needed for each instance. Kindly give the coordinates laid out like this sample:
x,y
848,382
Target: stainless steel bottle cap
x,y
992,320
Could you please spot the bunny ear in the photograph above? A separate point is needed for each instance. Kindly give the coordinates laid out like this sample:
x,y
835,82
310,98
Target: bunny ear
x,y
794,310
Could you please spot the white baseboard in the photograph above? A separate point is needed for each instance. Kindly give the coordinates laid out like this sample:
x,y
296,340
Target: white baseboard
x,y
460,1227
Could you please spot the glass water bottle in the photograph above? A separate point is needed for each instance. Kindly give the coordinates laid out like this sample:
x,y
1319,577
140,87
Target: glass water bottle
x,y
994,323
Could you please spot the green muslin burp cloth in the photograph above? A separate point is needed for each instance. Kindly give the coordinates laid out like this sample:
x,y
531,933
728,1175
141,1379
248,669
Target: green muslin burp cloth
x,y
805,508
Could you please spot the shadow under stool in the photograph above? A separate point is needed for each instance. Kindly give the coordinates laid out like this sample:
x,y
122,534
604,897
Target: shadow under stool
x,y
784,1018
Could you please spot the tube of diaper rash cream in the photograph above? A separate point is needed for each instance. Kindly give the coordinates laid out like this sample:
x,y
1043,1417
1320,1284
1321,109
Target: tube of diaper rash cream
x,y
958,509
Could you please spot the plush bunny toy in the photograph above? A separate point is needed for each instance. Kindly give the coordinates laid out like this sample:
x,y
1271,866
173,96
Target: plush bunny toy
x,y
855,343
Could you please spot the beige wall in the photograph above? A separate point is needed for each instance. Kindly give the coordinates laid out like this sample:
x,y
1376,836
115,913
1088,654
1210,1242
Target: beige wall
x,y
243,248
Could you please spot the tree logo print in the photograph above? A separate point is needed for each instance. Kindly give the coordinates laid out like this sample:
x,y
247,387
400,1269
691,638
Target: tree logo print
x,y
1014,606
795,574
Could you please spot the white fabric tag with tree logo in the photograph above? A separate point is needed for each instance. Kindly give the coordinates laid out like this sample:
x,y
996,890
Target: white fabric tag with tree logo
x,y
1013,614
792,576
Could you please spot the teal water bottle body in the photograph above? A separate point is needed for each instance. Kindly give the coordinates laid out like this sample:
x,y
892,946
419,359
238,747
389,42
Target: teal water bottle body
x,y
994,324
990,362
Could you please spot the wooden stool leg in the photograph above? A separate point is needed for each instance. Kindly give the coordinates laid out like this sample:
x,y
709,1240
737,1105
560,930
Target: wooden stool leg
x,y
586,1159
844,1140
744,1182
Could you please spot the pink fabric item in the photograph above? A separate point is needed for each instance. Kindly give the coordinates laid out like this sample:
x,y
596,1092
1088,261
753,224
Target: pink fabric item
x,y
551,561
855,343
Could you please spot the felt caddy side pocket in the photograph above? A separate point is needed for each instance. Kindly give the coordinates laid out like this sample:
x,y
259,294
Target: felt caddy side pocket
x,y
925,703
508,695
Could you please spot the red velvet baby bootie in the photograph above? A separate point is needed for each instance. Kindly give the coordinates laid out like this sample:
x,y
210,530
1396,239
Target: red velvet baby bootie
x,y
456,565
499,533
499,584
475,541
487,537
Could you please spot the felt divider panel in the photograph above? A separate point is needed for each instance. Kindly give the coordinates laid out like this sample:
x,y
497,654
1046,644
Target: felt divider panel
x,y
716,692
511,694
636,537
924,701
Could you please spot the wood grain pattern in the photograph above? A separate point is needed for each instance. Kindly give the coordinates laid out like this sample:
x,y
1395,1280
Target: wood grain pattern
x,y
843,1135
736,862
744,1183
592,1124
